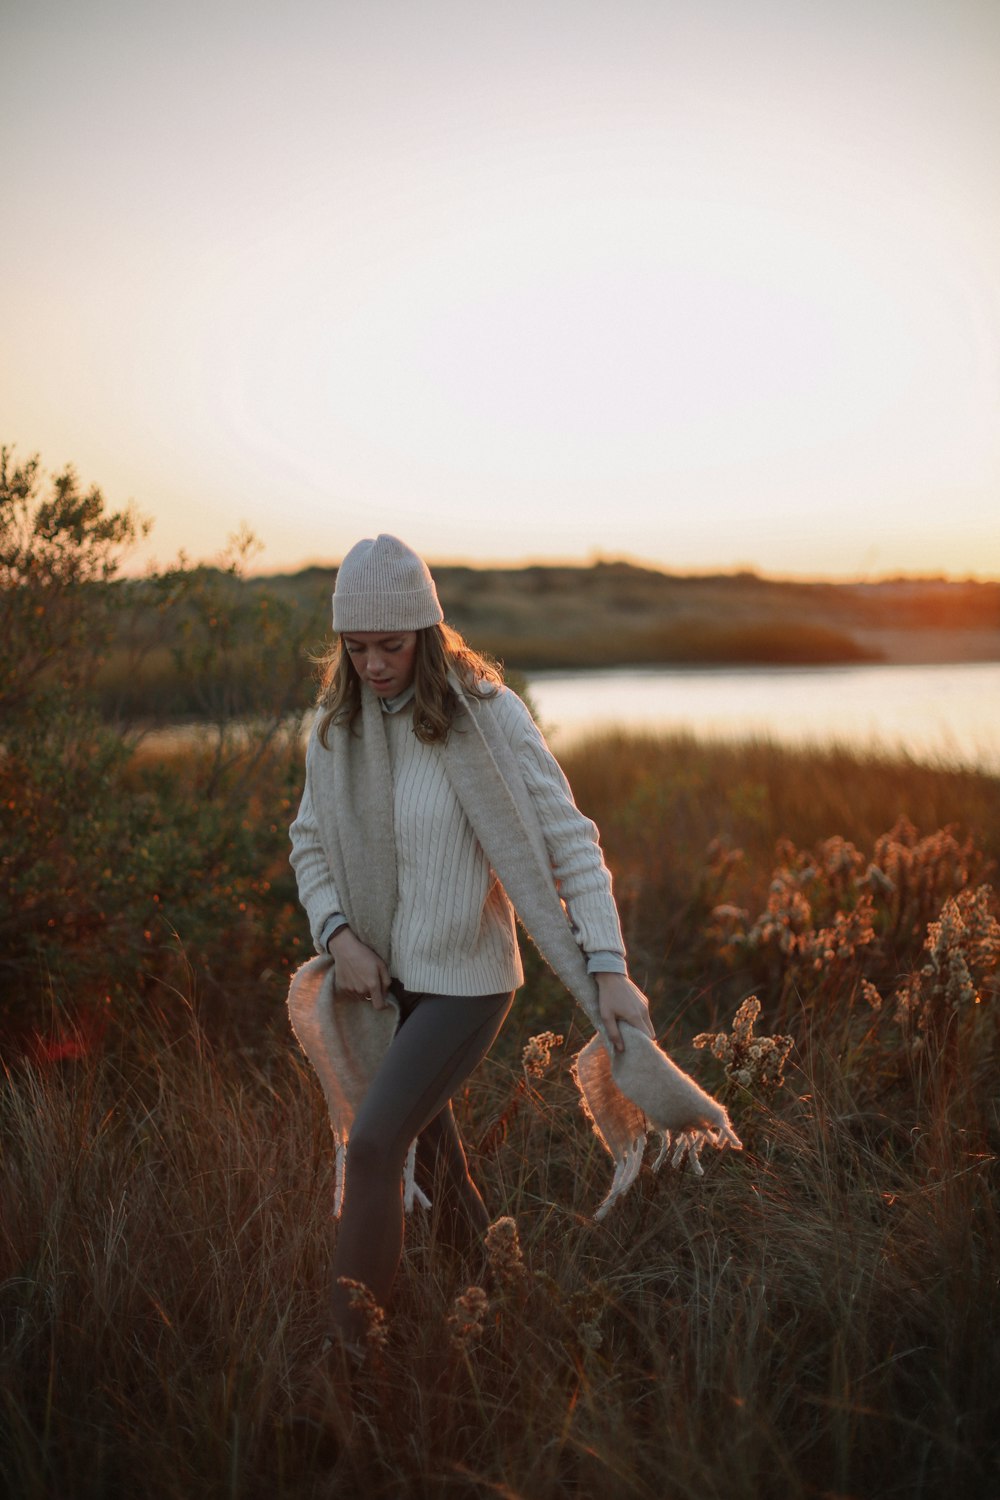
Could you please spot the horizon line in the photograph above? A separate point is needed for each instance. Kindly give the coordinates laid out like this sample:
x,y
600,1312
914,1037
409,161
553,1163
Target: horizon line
x,y
601,559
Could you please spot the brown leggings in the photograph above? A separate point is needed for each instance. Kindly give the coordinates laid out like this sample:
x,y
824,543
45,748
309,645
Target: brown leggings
x,y
439,1041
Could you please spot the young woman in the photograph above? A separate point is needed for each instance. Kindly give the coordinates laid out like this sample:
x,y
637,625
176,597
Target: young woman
x,y
433,810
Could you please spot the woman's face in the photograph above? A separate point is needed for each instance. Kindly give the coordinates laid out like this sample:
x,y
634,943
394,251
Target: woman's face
x,y
384,661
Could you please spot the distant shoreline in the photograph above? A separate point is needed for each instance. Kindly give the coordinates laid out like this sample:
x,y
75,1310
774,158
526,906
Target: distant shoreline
x,y
544,619
553,617
917,647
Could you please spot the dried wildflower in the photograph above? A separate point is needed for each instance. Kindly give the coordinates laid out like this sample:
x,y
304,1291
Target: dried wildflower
x,y
721,858
787,915
968,923
785,852
839,860
590,1335
537,1055
908,998
585,1308
743,1021
877,881
361,1299
503,1252
963,951
839,943
871,994
729,913
922,872
727,926
749,1061
466,1319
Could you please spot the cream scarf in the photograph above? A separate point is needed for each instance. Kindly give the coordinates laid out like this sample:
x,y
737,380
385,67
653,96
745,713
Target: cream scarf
x,y
626,1095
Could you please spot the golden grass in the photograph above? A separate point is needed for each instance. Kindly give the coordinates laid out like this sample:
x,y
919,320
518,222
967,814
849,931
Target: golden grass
x,y
814,1318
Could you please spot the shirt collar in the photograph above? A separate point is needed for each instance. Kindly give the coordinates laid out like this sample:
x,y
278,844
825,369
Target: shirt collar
x,y
393,705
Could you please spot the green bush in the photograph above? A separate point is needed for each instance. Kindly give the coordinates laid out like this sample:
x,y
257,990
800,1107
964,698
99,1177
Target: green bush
x,y
122,870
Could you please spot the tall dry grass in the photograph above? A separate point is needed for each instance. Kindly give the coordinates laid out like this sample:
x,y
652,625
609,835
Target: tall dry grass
x,y
816,1317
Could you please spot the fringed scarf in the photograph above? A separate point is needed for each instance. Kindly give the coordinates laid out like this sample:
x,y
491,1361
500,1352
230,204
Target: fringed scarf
x,y
626,1095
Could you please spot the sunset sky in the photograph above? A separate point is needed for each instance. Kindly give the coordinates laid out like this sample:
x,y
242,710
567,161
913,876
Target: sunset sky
x,y
707,283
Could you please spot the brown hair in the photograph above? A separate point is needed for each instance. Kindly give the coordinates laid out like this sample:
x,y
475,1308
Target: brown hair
x,y
440,650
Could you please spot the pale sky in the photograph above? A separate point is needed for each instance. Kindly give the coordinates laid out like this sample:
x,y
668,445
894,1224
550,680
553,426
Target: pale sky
x,y
707,283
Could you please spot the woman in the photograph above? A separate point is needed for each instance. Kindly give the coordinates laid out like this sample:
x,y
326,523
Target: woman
x,y
432,810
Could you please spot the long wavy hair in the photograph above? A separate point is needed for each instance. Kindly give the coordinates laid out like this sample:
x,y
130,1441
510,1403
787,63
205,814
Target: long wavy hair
x,y
440,650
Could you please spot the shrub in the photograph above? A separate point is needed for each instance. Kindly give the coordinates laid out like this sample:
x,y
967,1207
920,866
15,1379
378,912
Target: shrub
x,y
120,870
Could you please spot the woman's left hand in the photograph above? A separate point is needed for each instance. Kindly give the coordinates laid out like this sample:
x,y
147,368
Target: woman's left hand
x,y
621,1000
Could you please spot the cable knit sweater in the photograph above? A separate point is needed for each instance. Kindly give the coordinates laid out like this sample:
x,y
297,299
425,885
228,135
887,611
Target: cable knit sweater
x,y
453,926
348,849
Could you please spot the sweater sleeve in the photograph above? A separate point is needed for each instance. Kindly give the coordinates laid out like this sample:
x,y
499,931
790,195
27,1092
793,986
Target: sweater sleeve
x,y
574,850
317,890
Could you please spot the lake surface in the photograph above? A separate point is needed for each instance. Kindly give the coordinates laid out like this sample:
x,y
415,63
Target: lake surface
x,y
946,714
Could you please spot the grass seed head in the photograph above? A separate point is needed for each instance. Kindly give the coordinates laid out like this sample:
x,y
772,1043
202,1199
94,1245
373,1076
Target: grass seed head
x,y
466,1318
537,1055
503,1251
752,1062
362,1300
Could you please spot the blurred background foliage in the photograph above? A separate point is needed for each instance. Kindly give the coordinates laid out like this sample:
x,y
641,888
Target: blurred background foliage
x,y
122,867
133,861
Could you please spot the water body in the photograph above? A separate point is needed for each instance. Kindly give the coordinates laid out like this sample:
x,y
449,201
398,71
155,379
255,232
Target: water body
x,y
942,714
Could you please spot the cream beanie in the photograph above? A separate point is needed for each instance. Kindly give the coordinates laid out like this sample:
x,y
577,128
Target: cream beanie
x,y
384,585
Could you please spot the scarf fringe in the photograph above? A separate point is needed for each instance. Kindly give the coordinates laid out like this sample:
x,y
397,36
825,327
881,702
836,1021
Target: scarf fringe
x,y
626,1171
687,1145
344,1041
338,1185
413,1194
629,1096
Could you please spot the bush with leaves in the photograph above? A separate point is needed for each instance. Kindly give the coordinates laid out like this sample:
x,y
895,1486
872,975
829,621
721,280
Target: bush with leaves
x,y
59,557
119,868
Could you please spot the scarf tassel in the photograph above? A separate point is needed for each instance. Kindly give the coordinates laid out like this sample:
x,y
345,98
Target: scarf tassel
x,y
338,1184
413,1195
641,1092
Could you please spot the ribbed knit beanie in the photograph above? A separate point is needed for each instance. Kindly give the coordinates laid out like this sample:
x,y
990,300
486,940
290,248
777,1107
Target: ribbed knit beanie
x,y
384,585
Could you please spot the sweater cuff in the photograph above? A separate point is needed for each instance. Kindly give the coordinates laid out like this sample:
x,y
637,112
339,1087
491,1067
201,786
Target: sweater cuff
x,y
606,962
334,922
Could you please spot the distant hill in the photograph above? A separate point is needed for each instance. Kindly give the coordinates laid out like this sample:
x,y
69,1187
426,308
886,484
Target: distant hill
x,y
617,613
242,646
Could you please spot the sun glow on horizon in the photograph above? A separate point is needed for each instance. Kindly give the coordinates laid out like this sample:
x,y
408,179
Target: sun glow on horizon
x,y
708,292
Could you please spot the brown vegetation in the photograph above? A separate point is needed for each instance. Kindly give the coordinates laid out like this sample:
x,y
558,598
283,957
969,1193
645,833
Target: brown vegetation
x,y
165,660
816,1317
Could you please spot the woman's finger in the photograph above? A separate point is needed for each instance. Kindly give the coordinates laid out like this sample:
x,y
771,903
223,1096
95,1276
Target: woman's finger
x,y
374,988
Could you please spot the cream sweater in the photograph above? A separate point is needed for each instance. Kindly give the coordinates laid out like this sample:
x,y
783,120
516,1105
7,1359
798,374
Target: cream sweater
x,y
546,856
453,926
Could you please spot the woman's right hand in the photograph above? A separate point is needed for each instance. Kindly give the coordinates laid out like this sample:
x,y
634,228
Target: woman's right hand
x,y
360,971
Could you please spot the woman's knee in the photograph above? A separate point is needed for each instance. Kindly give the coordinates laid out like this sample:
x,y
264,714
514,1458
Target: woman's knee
x,y
371,1154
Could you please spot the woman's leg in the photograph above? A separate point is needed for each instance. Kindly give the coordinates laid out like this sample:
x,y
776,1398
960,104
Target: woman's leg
x,y
439,1043
459,1212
